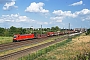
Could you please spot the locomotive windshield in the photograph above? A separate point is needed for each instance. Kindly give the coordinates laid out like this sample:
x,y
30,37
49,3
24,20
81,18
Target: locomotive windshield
x,y
14,36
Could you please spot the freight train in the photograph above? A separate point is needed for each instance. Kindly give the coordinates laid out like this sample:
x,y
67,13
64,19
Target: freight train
x,y
19,37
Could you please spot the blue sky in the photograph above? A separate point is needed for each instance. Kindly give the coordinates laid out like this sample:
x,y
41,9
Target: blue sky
x,y
48,13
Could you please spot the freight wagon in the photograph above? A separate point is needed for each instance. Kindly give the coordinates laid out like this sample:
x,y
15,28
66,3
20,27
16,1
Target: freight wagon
x,y
50,34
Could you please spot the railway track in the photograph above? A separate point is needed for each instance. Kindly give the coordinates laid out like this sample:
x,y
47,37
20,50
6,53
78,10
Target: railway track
x,y
16,55
15,45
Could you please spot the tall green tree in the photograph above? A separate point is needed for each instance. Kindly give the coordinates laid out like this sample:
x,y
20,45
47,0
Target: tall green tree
x,y
53,29
57,28
24,31
12,31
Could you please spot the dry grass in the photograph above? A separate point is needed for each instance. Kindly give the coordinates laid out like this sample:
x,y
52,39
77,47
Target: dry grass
x,y
76,46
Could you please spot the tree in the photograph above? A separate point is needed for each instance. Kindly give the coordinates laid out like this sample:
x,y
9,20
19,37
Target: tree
x,y
57,28
48,29
24,31
52,29
2,31
12,31
6,32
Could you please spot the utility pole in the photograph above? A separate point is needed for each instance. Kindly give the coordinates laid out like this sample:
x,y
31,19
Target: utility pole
x,y
69,26
63,30
81,29
68,30
32,28
41,30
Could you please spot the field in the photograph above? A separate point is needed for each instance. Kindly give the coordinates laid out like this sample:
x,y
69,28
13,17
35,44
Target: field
x,y
5,39
77,46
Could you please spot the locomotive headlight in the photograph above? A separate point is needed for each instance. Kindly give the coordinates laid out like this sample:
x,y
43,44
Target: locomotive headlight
x,y
14,38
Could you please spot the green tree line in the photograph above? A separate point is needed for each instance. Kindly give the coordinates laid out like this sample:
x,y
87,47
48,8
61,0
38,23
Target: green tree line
x,y
14,30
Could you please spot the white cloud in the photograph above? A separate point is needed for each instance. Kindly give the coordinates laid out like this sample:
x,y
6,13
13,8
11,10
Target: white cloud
x,y
85,18
15,18
45,23
36,7
18,20
58,19
83,12
9,5
61,15
77,3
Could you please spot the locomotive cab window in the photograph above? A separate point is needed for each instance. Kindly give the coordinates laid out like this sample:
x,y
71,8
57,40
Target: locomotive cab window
x,y
15,36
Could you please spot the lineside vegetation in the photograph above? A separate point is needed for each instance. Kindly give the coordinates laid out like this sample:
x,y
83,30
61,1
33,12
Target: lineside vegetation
x,y
41,54
5,39
77,49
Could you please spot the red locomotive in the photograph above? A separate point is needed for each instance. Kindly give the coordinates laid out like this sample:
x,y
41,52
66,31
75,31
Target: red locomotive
x,y
19,37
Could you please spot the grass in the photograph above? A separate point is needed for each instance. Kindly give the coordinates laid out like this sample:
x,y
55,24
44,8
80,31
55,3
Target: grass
x,y
77,46
5,40
28,46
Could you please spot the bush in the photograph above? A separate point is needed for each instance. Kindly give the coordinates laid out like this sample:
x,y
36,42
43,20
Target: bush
x,y
88,31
